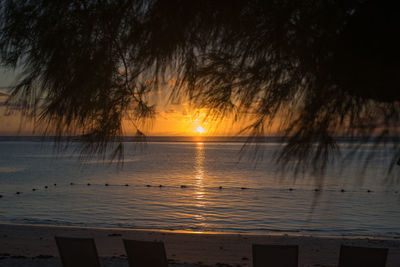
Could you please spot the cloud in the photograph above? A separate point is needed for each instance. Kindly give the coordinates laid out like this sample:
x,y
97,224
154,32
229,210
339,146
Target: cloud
x,y
10,107
3,97
4,94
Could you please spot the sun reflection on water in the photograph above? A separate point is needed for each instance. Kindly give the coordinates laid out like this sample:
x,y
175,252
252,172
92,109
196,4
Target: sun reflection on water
x,y
199,181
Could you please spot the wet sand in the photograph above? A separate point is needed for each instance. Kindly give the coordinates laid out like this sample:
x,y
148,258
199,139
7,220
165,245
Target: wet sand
x,y
34,245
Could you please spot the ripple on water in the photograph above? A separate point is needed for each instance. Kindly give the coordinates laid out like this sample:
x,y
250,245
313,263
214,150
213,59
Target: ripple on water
x,y
251,200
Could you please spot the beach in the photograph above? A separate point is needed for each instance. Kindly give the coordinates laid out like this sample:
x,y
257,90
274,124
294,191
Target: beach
x,y
207,208
34,245
214,127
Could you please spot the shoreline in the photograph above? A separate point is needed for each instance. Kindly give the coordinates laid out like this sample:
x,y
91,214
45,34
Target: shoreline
x,y
174,231
19,243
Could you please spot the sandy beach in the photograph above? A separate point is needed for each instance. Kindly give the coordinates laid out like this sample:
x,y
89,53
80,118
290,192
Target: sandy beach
x,y
34,245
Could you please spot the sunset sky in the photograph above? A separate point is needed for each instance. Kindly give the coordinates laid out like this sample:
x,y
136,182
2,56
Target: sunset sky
x,y
172,119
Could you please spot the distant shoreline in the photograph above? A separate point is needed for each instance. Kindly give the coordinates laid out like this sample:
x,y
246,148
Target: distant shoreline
x,y
180,139
149,139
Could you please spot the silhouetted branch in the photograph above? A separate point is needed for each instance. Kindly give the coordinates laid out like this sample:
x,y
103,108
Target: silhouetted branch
x,y
318,69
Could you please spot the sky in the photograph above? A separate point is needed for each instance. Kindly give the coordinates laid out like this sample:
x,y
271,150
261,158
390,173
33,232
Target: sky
x,y
172,119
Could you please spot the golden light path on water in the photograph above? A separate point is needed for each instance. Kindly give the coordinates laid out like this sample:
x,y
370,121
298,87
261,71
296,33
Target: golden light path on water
x,y
193,186
199,180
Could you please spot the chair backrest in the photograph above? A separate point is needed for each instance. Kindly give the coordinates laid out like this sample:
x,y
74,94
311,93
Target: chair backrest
x,y
145,253
275,256
362,256
77,252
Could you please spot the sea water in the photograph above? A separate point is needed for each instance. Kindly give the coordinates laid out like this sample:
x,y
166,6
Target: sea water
x,y
199,186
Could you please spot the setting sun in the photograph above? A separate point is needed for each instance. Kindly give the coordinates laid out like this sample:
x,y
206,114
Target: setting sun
x,y
200,130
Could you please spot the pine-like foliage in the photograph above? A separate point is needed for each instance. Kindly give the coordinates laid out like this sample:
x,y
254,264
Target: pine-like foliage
x,y
320,69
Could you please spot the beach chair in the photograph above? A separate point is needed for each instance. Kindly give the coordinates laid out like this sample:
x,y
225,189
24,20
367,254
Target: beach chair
x,y
77,252
362,256
275,256
145,253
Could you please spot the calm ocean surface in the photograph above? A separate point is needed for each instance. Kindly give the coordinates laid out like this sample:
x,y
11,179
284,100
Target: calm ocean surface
x,y
190,198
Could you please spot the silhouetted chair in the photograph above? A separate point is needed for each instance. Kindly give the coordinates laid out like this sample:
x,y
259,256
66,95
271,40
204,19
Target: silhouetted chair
x,y
275,256
362,256
77,252
145,253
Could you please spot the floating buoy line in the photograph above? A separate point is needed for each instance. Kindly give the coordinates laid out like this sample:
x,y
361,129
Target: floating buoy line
x,y
219,188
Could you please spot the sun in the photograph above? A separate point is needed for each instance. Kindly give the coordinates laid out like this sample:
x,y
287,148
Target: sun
x,y
200,130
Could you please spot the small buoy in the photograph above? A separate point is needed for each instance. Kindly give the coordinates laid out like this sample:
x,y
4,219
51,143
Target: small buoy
x,y
55,184
71,183
291,189
46,187
33,189
316,190
106,184
88,184
183,186
243,188
17,193
126,184
220,187
147,185
1,196
160,185
369,191
342,190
